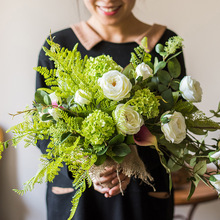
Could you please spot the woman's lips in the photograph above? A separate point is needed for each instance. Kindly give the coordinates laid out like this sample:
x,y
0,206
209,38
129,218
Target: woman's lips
x,y
109,10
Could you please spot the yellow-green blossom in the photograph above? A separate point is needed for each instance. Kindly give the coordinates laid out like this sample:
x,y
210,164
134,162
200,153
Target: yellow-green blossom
x,y
145,103
98,127
97,66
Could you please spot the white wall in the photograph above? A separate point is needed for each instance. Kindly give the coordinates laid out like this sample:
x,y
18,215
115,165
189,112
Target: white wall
x,y
24,25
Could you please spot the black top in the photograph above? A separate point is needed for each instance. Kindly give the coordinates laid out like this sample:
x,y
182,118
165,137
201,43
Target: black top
x,y
136,203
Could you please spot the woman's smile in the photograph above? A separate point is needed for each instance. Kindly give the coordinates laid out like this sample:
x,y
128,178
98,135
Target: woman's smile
x,y
109,10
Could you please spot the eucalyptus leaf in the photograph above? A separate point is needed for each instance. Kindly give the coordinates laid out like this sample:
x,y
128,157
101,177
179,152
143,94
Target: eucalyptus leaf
x,y
192,190
162,88
121,150
200,168
159,48
174,67
47,100
168,97
100,160
118,159
174,85
39,96
129,139
118,139
128,71
164,77
172,165
159,66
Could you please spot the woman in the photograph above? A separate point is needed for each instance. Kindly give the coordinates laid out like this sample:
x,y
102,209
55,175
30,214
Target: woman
x,y
112,29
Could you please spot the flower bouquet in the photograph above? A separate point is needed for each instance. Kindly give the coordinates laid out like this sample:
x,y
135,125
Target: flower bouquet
x,y
96,114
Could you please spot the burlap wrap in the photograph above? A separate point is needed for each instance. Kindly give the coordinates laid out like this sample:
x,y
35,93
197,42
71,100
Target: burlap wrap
x,y
131,166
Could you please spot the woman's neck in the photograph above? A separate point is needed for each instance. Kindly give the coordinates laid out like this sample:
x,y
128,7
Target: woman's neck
x,y
121,32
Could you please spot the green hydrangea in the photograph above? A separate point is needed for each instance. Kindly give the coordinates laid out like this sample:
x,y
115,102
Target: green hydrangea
x,y
145,103
97,66
98,127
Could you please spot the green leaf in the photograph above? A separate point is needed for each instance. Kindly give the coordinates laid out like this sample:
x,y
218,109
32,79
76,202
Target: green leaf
x,y
118,139
47,100
159,48
197,131
100,160
162,88
192,190
118,159
200,168
103,151
46,117
128,71
172,165
39,96
174,68
121,150
164,77
192,147
139,79
65,136
168,97
176,96
159,66
212,178
129,139
174,85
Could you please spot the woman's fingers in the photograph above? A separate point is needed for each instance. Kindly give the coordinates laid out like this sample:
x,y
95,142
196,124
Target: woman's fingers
x,y
101,189
118,182
121,177
119,187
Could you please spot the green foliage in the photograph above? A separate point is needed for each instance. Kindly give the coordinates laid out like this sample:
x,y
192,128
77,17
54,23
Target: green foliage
x,y
139,55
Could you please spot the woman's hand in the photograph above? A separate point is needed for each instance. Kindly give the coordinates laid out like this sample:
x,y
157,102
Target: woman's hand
x,y
110,176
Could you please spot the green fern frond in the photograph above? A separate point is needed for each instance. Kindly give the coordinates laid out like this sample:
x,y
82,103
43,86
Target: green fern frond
x,y
74,123
38,178
108,105
139,55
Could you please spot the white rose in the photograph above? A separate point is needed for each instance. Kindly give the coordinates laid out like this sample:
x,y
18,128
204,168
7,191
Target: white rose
x,y
191,89
115,85
143,70
128,121
216,183
175,129
81,100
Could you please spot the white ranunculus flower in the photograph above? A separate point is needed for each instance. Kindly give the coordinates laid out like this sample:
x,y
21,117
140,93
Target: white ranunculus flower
x,y
143,70
175,129
216,183
81,100
128,121
115,85
190,89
